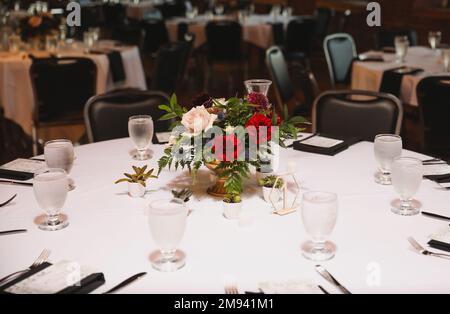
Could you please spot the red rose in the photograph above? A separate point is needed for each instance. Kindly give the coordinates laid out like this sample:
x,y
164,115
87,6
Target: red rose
x,y
220,145
259,121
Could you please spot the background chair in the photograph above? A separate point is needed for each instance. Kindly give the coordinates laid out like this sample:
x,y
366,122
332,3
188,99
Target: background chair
x,y
106,116
156,35
300,38
284,85
129,34
433,94
386,37
340,51
59,93
360,114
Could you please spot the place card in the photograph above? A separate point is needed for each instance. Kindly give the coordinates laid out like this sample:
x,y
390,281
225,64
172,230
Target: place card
x,y
53,279
323,142
441,239
436,170
163,137
21,169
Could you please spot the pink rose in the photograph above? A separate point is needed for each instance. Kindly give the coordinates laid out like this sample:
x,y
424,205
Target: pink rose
x,y
198,119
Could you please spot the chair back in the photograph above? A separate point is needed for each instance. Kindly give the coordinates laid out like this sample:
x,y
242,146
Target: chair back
x,y
386,38
300,35
279,72
323,18
106,116
433,94
305,78
340,51
224,41
361,114
58,89
156,35
115,14
129,34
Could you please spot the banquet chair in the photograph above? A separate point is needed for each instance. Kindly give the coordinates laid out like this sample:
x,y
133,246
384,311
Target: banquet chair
x,y
340,51
323,18
170,65
106,116
386,37
284,86
61,87
355,113
115,14
433,94
129,34
299,39
225,46
156,35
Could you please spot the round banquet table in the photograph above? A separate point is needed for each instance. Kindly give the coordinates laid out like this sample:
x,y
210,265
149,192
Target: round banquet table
x,y
16,92
109,230
369,75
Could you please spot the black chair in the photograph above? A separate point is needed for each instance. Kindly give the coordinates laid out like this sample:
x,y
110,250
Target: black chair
x,y
115,14
224,45
169,67
340,51
171,9
433,94
156,35
284,86
129,34
323,18
300,38
106,116
386,38
353,113
61,88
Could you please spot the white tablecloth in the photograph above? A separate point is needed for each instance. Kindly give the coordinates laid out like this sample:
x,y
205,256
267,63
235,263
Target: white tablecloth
x,y
16,94
109,231
255,29
369,75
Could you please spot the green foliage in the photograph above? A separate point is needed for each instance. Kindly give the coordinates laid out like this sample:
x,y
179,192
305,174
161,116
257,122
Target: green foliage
x,y
232,198
139,176
269,182
173,109
183,194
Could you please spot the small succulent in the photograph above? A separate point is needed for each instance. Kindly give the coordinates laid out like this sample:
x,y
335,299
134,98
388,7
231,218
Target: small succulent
x,y
140,176
183,194
269,182
232,198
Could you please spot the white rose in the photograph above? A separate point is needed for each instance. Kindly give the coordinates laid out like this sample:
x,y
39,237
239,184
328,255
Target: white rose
x,y
198,119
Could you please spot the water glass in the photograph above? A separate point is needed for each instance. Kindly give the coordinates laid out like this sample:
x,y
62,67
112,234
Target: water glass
x,y
192,13
60,154
95,33
88,40
287,12
258,86
51,43
434,38
140,129
319,215
219,9
167,221
446,59
14,42
401,48
50,189
407,176
387,147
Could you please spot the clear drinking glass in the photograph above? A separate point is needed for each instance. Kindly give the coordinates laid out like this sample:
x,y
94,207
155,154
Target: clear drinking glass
x,y
387,147
51,43
401,48
14,42
319,214
95,33
258,86
140,129
88,40
167,221
446,59
50,189
60,154
219,9
192,13
407,176
434,38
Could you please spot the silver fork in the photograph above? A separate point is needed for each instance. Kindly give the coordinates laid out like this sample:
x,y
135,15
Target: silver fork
x,y
231,288
420,249
42,258
8,201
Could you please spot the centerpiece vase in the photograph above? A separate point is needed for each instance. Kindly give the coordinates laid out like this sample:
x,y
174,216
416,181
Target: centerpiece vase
x,y
218,189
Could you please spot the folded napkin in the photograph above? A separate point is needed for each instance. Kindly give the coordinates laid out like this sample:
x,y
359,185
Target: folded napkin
x,y
392,79
116,66
441,240
55,279
370,57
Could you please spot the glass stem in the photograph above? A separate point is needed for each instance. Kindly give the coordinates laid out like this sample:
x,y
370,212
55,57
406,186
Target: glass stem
x,y
53,220
405,204
168,255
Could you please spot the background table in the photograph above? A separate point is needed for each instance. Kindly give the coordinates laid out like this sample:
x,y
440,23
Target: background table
x,y
16,93
369,75
109,231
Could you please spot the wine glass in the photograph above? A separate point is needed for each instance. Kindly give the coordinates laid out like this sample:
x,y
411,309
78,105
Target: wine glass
x,y
434,38
140,129
387,147
50,189
219,9
446,59
60,154
167,221
319,214
407,176
258,86
401,48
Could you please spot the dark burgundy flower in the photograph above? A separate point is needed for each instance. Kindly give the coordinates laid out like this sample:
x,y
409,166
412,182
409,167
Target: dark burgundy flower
x,y
258,99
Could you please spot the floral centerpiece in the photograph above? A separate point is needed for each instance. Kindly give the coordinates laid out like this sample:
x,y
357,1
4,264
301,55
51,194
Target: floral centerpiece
x,y
38,25
227,136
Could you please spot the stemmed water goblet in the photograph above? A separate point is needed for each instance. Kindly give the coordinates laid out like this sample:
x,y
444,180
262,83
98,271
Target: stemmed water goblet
x,y
60,154
387,147
140,129
401,48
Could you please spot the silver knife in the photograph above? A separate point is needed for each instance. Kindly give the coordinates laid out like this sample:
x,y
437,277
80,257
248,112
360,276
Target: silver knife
x,y
126,282
12,232
325,274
